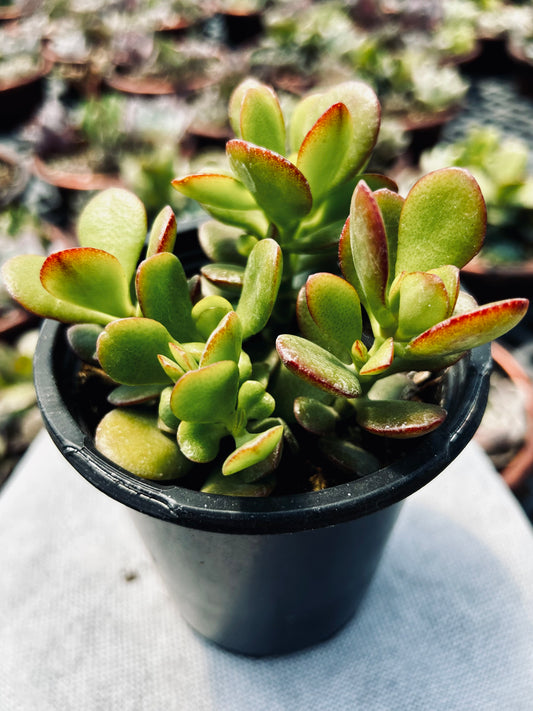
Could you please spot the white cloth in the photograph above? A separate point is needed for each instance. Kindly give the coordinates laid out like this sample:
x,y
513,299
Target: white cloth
x,y
86,624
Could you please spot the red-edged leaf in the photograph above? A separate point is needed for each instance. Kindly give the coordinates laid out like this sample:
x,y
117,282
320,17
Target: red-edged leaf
x,y
320,155
277,185
380,360
317,366
399,419
368,242
88,277
443,221
163,233
261,119
214,189
465,331
335,308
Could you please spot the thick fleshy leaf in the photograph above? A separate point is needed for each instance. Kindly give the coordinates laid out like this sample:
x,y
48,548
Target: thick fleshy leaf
x,y
163,233
224,342
277,185
184,356
317,366
261,281
390,205
200,441
124,395
208,394
82,338
255,401
349,456
132,439
128,351
221,242
237,485
380,360
224,276
171,368
399,419
90,278
443,221
163,294
315,416
335,308
310,330
368,243
21,275
235,102
465,331
365,112
423,302
222,191
167,420
253,221
253,452
115,221
321,153
261,119
450,276
208,313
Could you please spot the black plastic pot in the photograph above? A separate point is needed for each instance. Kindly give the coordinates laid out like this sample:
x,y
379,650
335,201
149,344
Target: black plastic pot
x,y
263,576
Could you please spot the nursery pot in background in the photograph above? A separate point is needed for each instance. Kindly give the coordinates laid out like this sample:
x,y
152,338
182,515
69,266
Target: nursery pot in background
x,y
262,576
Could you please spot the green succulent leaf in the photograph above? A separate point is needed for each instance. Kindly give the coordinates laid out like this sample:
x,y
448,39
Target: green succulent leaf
x,y
317,366
163,294
335,308
128,351
254,451
255,401
349,456
315,416
21,275
127,395
399,419
390,206
261,281
465,331
443,221
82,338
365,113
132,439
238,485
368,244
217,190
423,302
167,420
277,185
200,441
90,278
380,360
208,394
450,276
115,221
261,119
225,341
228,277
208,313
221,242
171,368
320,155
235,102
163,233
185,355
253,221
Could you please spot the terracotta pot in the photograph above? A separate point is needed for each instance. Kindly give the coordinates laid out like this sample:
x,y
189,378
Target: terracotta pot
x,y
73,180
21,97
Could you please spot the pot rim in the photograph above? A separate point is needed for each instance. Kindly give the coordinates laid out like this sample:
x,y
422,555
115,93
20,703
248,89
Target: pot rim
x,y
285,513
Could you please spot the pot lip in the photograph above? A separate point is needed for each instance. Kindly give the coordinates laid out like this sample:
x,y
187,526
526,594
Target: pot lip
x,y
287,513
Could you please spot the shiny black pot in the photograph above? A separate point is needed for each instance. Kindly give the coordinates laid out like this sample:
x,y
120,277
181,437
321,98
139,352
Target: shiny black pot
x,y
263,576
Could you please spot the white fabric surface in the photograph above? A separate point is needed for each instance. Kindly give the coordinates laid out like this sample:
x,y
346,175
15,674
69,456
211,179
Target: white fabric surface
x,y
86,625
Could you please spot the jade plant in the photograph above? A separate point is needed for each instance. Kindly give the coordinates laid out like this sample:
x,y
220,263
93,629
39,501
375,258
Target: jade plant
x,y
270,351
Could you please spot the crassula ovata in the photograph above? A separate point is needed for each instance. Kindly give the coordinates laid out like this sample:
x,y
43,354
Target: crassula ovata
x,y
227,369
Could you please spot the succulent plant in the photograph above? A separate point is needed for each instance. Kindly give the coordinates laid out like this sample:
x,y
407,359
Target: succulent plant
x,y
270,345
